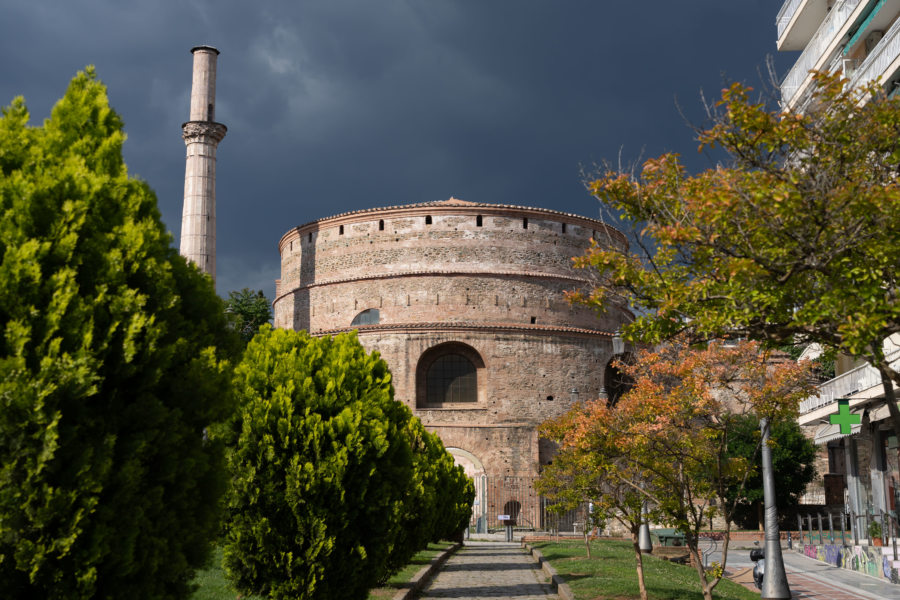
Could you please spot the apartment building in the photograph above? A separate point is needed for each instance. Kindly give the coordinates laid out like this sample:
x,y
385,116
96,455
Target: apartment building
x,y
859,38
860,464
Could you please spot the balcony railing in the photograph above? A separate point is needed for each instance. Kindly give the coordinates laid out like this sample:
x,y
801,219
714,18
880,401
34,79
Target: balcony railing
x,y
786,14
844,385
877,62
814,52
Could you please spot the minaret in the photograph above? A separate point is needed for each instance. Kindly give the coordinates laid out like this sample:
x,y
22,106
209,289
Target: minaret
x,y
201,136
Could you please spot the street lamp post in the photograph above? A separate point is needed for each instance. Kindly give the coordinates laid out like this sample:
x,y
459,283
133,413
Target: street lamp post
x,y
644,542
775,584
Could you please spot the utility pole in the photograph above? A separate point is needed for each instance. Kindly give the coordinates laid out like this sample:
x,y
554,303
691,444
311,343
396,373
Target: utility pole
x,y
775,583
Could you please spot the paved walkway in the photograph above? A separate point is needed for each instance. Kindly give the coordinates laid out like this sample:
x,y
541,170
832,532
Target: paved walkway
x,y
481,570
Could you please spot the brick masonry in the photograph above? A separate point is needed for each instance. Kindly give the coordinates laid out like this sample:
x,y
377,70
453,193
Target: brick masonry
x,y
489,279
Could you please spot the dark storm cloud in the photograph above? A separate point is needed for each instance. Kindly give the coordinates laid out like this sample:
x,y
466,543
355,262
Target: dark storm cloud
x,y
334,106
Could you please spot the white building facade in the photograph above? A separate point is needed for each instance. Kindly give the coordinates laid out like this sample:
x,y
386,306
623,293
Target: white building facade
x,y
860,40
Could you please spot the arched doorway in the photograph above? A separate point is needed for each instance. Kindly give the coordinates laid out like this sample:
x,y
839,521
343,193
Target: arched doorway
x,y
474,469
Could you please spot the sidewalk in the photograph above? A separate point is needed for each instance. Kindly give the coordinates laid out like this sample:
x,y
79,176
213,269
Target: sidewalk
x,y
813,579
488,569
809,578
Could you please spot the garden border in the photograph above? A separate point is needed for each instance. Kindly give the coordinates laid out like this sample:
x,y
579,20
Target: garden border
x,y
424,575
559,584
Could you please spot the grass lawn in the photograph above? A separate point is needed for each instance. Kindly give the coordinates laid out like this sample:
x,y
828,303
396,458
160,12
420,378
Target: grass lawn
x,y
610,574
398,581
214,586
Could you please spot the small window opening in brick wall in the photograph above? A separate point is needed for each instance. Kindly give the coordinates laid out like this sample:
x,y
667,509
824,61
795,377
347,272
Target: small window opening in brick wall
x,y
309,237
381,225
341,230
525,223
563,227
533,320
478,221
428,219
550,398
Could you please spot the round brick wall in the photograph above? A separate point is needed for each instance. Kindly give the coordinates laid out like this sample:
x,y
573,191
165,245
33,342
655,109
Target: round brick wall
x,y
480,278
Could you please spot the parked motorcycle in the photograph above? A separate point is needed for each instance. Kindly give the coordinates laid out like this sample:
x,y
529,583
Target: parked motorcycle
x,y
758,556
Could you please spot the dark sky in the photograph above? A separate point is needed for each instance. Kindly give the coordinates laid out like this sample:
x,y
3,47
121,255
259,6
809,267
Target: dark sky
x,y
338,105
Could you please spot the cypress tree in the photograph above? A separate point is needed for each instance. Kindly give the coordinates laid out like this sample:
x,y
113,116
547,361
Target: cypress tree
x,y
320,468
112,364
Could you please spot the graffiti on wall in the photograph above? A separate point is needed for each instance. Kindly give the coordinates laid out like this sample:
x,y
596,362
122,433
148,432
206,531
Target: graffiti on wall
x,y
862,559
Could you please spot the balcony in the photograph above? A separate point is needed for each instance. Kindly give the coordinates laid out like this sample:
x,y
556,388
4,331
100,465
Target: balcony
x,y
882,61
821,48
797,22
860,383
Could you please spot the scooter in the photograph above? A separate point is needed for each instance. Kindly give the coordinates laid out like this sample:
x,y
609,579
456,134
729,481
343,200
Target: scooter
x,y
758,556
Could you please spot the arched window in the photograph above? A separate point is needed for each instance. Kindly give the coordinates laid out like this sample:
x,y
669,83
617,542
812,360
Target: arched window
x,y
615,382
370,316
448,374
451,378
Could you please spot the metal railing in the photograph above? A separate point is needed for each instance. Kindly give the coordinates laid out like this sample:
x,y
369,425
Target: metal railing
x,y
876,528
815,49
786,14
855,380
877,62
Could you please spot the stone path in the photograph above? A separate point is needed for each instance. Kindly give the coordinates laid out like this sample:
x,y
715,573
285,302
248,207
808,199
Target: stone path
x,y
481,570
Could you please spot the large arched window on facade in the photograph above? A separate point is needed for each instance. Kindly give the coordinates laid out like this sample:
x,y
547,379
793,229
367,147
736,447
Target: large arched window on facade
x,y
448,374
451,378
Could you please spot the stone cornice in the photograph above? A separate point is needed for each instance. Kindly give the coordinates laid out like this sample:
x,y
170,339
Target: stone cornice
x,y
440,273
192,130
467,327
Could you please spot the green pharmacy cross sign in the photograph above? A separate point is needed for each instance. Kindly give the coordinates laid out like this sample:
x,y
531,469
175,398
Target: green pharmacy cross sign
x,y
844,418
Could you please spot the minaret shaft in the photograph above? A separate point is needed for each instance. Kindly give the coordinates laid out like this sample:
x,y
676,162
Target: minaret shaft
x,y
201,137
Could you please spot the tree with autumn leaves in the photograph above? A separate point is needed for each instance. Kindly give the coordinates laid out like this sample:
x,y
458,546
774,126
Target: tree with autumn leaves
x,y
666,440
792,239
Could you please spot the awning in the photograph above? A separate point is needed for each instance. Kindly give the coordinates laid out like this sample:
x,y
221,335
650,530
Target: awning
x,y
826,433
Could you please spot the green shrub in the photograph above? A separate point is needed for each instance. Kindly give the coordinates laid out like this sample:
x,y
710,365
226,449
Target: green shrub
x,y
320,465
109,369
438,502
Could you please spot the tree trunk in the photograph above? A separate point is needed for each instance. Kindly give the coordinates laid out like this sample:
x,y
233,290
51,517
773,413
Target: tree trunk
x,y
639,562
694,549
759,515
587,540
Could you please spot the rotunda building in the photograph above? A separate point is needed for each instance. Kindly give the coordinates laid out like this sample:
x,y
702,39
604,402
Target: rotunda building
x,y
465,301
